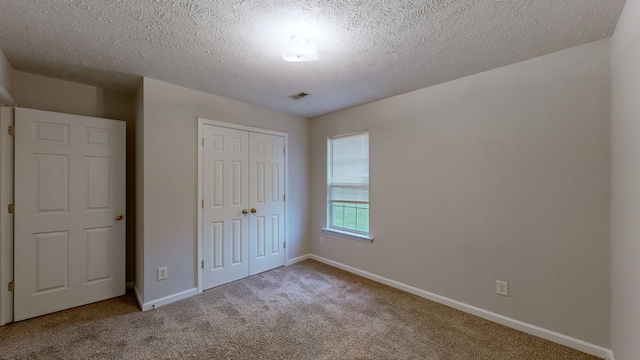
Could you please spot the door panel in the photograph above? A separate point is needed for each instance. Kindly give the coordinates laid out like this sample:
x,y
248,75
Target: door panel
x,y
225,187
266,159
97,244
52,250
52,183
69,248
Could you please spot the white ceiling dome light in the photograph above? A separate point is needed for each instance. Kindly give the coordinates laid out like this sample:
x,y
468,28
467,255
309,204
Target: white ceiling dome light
x,y
300,49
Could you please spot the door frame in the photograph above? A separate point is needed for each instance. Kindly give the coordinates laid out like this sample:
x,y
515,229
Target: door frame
x,y
6,219
201,123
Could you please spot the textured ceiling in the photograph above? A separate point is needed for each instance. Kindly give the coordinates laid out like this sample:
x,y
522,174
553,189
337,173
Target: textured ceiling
x,y
368,49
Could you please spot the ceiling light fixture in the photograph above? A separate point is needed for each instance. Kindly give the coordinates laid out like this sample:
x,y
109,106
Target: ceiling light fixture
x,y
300,49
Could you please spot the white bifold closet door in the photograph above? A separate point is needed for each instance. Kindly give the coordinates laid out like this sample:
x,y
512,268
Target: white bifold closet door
x,y
69,209
243,204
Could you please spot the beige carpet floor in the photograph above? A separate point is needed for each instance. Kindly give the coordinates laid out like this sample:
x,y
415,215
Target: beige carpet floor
x,y
305,311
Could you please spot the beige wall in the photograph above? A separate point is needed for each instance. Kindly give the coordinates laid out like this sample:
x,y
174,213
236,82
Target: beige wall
x,y
45,93
169,141
6,81
625,201
501,175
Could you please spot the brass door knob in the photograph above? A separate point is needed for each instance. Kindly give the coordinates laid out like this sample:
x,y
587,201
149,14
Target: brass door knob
x,y
244,211
119,217
253,210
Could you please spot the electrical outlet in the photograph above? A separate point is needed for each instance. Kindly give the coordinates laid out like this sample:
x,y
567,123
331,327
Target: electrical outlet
x,y
162,273
321,241
502,288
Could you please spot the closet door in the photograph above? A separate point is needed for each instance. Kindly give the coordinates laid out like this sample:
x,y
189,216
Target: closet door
x,y
243,210
266,179
225,181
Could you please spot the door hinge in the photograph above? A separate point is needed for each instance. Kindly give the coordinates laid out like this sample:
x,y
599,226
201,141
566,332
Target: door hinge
x,y
12,130
202,202
284,150
11,209
202,264
284,197
284,245
10,286
202,141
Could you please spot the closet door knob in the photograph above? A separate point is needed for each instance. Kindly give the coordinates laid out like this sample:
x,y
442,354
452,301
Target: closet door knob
x,y
244,211
119,217
253,210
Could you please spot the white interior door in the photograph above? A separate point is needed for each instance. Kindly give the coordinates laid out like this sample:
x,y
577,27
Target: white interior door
x,y
225,181
69,197
266,171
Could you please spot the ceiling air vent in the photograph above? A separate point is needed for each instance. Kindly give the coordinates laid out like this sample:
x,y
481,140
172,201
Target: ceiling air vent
x,y
298,96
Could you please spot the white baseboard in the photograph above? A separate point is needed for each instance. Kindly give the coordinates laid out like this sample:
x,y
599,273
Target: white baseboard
x,y
165,300
135,291
561,339
298,259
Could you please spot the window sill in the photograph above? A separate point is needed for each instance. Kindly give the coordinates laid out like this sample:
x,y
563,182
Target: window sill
x,y
348,235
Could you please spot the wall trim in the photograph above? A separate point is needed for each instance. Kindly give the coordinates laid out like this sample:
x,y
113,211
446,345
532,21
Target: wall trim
x,y
6,219
138,297
298,259
537,331
165,300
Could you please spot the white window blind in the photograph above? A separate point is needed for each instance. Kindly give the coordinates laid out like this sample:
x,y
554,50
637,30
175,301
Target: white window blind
x,y
348,182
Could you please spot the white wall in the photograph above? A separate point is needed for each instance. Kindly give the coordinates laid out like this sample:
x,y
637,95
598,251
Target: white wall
x,y
500,175
6,81
169,138
6,73
44,93
625,202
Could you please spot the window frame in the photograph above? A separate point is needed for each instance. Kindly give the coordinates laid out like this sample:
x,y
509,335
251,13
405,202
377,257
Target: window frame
x,y
330,227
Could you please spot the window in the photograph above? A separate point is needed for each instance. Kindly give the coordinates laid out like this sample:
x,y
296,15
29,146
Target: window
x,y
348,184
